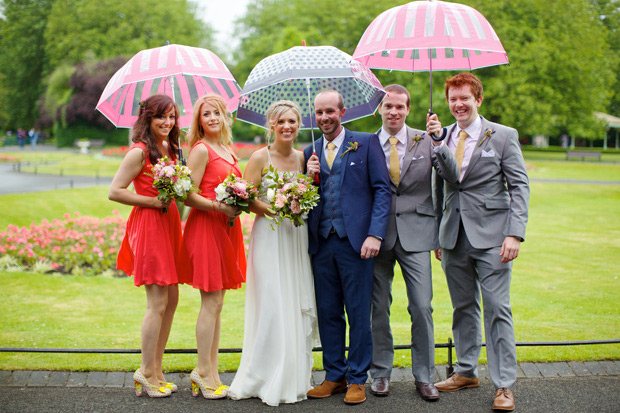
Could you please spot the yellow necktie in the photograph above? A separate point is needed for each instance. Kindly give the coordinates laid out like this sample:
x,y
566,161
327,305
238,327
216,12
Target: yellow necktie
x,y
394,161
331,155
460,149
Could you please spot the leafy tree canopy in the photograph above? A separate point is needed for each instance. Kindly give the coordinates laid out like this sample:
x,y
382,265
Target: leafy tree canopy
x,y
561,64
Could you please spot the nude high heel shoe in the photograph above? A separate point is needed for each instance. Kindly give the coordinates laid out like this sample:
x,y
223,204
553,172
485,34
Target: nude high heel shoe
x,y
198,385
142,384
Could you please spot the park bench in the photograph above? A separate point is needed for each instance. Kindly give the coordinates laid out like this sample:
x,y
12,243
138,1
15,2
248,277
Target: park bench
x,y
583,155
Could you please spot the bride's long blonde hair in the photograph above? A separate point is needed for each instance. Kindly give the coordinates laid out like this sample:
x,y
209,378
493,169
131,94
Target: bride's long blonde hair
x,y
196,131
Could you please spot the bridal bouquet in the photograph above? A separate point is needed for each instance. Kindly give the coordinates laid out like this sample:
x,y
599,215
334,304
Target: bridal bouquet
x,y
236,191
172,181
291,196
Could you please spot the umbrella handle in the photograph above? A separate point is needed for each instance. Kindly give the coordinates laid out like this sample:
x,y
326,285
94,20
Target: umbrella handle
x,y
317,179
444,132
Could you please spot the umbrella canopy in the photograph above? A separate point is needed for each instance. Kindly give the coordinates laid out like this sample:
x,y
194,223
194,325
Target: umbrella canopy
x,y
301,73
182,72
430,35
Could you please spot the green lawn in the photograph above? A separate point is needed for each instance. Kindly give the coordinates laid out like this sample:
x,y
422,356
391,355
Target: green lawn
x,y
565,286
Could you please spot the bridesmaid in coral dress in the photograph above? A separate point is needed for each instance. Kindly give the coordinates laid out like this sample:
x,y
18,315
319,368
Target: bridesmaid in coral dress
x,y
216,250
152,250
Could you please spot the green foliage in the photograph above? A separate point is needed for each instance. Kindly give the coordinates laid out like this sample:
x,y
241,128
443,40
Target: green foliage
x,y
561,57
66,136
58,92
111,28
22,61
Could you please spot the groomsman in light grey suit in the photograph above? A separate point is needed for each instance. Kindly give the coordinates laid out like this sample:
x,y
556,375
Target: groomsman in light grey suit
x,y
411,235
482,227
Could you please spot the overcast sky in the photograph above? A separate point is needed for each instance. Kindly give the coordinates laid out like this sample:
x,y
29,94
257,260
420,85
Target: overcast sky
x,y
220,14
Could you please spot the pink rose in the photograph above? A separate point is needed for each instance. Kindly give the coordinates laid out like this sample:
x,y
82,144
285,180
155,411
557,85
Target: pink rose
x,y
295,207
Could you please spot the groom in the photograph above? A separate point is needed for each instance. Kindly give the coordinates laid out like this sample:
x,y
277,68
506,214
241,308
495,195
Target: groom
x,y
345,234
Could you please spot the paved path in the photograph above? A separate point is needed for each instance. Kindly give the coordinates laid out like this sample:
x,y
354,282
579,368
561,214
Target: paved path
x,y
541,387
12,182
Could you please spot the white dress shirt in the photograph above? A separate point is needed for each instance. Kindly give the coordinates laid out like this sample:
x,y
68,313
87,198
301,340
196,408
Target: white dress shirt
x,y
473,133
337,141
401,145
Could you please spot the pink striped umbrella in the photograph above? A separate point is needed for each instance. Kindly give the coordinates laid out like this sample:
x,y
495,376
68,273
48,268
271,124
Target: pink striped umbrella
x,y
182,72
430,35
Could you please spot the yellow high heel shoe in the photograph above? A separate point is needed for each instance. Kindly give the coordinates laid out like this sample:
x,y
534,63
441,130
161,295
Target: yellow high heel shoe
x,y
207,392
169,385
142,383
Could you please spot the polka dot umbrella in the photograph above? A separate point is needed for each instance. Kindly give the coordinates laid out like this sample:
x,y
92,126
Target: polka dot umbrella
x,y
299,74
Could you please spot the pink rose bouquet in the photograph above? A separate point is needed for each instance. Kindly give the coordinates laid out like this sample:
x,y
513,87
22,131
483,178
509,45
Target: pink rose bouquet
x,y
173,181
291,196
236,191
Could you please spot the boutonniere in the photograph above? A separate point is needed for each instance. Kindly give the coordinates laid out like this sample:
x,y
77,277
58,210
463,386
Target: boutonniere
x,y
487,134
416,138
351,148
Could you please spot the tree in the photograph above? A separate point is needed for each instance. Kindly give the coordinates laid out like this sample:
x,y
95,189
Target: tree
x,y
559,55
110,28
22,61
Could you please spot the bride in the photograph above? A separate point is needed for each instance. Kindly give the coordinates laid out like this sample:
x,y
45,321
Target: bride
x,y
280,312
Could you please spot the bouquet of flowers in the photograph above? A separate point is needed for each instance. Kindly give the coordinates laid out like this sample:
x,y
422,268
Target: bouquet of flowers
x,y
291,196
236,191
173,181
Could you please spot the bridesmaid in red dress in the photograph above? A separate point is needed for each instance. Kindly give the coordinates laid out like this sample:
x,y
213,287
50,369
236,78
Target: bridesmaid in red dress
x,y
216,250
152,250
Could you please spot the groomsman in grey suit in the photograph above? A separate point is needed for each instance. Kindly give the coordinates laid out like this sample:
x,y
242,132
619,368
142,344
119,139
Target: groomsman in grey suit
x,y
483,224
411,235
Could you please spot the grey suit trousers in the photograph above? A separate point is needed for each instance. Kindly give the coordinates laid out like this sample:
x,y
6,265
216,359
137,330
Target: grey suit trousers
x,y
471,272
416,269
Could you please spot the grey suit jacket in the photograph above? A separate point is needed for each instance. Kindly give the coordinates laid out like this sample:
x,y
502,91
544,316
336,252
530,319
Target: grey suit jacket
x,y
412,216
492,199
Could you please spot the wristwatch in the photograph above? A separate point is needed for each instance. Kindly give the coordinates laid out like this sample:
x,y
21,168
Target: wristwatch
x,y
377,237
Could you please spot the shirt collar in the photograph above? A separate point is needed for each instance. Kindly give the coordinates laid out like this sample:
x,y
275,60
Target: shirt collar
x,y
473,130
401,136
337,141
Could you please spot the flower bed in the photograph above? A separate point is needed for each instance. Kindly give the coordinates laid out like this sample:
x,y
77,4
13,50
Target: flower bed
x,y
78,245
6,158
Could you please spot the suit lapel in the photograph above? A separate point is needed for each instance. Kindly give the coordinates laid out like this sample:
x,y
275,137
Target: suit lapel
x,y
409,154
343,163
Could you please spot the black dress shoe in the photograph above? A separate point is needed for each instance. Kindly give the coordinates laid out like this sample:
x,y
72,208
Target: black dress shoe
x,y
380,386
427,391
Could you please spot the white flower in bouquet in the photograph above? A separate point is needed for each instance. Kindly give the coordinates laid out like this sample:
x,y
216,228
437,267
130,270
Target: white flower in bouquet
x,y
182,186
271,193
220,193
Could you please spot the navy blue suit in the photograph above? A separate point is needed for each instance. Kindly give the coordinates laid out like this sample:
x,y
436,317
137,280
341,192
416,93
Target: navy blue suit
x,y
342,278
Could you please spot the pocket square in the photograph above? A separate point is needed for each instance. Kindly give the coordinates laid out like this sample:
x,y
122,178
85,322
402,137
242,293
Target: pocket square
x,y
421,157
488,154
352,163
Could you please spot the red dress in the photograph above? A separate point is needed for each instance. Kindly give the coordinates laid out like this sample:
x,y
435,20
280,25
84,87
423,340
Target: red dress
x,y
216,250
152,250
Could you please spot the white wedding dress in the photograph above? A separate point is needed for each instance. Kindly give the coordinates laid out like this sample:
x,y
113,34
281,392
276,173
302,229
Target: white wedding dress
x,y
280,315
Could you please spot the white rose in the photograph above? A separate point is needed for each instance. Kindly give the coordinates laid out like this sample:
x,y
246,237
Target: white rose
x,y
220,192
271,193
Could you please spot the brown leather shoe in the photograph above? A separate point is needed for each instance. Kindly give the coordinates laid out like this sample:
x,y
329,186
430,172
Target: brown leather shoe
x,y
504,400
380,386
356,394
327,388
456,382
427,391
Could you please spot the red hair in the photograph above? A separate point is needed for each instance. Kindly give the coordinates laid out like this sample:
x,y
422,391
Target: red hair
x,y
465,79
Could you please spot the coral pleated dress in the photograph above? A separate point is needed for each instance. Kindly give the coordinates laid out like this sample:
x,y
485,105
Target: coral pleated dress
x,y
216,250
152,250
